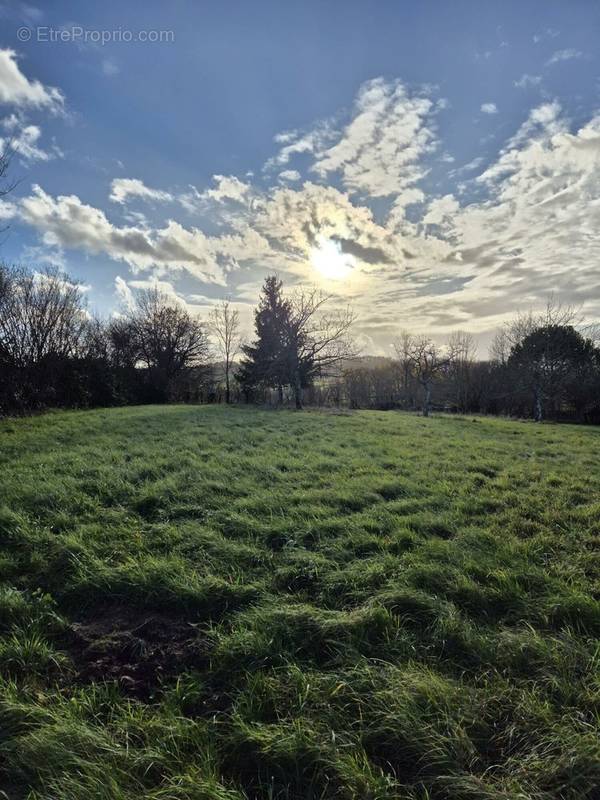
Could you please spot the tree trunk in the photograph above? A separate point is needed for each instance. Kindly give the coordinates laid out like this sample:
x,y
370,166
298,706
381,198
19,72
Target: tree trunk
x,y
227,389
538,410
427,402
298,392
280,394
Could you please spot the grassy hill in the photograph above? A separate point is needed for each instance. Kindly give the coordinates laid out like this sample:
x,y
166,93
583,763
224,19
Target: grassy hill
x,y
211,603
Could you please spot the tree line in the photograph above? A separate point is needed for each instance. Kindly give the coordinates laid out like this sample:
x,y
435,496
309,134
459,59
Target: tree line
x,y
55,353
540,367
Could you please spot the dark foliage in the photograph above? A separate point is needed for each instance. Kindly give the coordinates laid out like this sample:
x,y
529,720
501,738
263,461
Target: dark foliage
x,y
297,341
54,354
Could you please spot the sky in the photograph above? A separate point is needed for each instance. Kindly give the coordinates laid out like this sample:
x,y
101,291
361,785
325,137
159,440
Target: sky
x,y
436,165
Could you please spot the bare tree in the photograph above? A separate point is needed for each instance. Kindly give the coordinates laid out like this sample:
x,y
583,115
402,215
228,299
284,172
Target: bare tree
x,y
316,341
6,186
463,350
515,331
5,157
168,339
123,347
403,346
428,362
43,314
225,323
43,324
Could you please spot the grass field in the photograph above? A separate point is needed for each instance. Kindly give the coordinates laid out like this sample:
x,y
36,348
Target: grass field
x,y
215,604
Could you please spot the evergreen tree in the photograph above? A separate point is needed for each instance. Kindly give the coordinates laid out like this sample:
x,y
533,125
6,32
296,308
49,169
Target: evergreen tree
x,y
263,364
296,342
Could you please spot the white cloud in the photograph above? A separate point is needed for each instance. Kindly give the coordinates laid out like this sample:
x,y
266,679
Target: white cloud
x,y
163,287
445,262
25,144
296,143
534,234
200,300
441,210
527,81
547,33
16,89
124,293
8,210
293,220
397,214
564,55
285,137
45,255
12,122
380,150
289,175
489,108
121,189
469,167
228,189
543,121
67,222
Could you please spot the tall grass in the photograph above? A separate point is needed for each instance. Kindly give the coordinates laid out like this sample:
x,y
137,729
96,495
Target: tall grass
x,y
218,604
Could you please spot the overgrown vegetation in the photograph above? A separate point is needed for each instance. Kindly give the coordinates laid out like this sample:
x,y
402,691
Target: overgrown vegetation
x,y
225,603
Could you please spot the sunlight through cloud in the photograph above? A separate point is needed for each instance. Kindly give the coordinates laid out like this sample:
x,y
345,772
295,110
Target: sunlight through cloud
x,y
330,261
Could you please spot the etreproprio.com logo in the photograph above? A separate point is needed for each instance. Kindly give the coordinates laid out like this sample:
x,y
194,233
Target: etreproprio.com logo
x,y
45,34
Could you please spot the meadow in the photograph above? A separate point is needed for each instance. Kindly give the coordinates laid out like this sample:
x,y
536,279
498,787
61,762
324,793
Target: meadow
x,y
212,603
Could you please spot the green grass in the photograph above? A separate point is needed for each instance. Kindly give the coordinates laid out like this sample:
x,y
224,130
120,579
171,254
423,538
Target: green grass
x,y
202,603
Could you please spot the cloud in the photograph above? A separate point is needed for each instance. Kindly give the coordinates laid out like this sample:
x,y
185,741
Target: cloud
x,y
289,175
489,108
534,233
296,143
23,139
124,294
543,121
380,150
8,210
527,227
564,55
228,189
285,137
165,288
397,213
294,220
16,89
45,255
527,81
25,144
67,222
122,189
469,167
12,122
441,211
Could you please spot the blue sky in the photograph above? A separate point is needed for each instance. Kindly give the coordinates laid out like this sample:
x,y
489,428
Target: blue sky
x,y
436,164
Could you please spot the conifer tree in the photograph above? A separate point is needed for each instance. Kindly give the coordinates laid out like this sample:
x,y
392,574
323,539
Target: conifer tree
x,y
263,362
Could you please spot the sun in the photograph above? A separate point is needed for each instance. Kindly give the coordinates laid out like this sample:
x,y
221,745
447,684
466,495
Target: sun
x,y
327,257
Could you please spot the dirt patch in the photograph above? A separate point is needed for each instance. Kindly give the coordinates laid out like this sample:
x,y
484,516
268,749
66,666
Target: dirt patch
x,y
137,650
